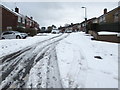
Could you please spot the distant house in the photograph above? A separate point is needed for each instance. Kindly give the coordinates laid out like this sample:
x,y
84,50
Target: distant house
x,y
70,27
76,27
13,19
82,26
92,20
62,29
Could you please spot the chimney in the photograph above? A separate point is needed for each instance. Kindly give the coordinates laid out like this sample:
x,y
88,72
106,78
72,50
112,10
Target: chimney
x,y
17,10
105,11
31,17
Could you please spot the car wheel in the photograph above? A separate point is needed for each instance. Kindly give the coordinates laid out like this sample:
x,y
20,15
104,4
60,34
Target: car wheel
x,y
3,38
18,37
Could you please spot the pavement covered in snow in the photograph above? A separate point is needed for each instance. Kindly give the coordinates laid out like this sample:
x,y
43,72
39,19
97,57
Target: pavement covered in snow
x,y
79,67
58,61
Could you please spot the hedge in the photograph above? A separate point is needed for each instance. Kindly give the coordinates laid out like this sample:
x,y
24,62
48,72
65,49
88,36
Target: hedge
x,y
29,31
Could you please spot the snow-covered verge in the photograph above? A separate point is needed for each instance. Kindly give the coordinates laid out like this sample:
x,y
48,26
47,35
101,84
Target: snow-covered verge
x,y
12,45
107,33
84,63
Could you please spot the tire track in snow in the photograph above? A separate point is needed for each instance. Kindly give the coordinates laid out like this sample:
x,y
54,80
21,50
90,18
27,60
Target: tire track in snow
x,y
9,66
45,74
15,54
53,73
23,63
6,60
78,70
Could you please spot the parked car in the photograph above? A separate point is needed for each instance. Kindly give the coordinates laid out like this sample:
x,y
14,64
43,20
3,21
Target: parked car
x,y
68,31
55,31
118,35
13,35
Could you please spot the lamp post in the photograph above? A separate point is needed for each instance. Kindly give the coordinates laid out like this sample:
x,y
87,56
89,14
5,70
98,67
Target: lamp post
x,y
86,31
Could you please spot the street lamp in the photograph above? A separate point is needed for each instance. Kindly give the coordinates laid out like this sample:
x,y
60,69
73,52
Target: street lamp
x,y
86,31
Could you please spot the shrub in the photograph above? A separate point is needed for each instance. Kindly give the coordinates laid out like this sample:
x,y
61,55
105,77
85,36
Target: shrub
x,y
94,26
29,31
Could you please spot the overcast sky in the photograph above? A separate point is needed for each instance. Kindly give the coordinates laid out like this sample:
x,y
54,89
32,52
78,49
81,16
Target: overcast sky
x,y
60,13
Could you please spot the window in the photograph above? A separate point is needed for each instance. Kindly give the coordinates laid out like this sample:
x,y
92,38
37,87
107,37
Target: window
x,y
7,33
9,28
21,20
116,17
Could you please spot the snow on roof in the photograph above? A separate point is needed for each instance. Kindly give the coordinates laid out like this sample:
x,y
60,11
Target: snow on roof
x,y
15,13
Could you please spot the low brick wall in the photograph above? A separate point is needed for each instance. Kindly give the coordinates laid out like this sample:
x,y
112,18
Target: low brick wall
x,y
93,33
109,38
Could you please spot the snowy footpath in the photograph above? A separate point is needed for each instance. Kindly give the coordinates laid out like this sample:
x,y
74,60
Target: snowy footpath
x,y
85,63
58,61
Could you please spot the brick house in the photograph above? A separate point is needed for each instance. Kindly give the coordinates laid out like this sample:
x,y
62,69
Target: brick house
x,y
82,26
108,22
111,16
0,20
76,27
30,23
10,20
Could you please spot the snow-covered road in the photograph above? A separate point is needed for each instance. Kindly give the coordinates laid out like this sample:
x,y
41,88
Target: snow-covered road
x,y
58,61
16,67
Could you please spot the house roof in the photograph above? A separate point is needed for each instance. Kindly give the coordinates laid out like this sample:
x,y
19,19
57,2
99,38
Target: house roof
x,y
110,11
16,14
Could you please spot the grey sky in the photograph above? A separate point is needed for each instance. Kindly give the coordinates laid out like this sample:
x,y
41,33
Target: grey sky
x,y
60,13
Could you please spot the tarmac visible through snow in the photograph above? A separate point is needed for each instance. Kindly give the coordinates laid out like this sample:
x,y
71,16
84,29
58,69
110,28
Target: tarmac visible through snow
x,y
17,67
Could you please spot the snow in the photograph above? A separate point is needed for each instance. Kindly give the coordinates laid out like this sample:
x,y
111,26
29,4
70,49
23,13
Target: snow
x,y
79,68
72,60
11,45
107,33
36,75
